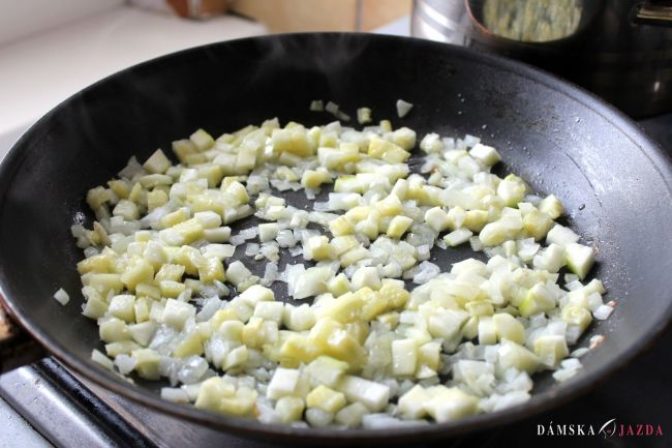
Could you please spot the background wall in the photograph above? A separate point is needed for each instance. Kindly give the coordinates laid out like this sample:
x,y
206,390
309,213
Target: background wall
x,y
322,15
20,18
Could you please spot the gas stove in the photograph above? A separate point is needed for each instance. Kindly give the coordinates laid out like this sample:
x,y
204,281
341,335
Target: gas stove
x,y
67,410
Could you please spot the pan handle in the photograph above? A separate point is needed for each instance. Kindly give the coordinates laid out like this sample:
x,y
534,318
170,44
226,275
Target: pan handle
x,y
654,12
17,348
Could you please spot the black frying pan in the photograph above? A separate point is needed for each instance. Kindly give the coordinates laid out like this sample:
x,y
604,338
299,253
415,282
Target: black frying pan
x,y
613,180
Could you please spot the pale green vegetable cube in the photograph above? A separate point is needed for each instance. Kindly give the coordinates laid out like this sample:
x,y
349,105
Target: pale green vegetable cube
x,y
446,324
487,155
551,259
318,418
431,143
516,356
552,206
339,285
325,398
404,356
256,294
326,370
315,178
62,297
512,190
299,318
147,363
412,403
122,306
289,409
114,330
283,383
561,235
317,105
211,393
202,140
176,313
318,248
366,276
537,224
292,140
363,115
398,226
351,415
538,299
497,232
95,307
231,330
437,219
508,327
403,108
217,235
474,220
479,308
115,349
448,404
404,137
143,332
100,358
487,332
157,163
580,259
371,394
237,273
551,349
311,282
269,310
268,231
127,210
457,237
236,358
576,315
209,219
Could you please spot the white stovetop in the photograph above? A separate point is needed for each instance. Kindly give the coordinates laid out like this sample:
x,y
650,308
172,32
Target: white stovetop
x,y
41,70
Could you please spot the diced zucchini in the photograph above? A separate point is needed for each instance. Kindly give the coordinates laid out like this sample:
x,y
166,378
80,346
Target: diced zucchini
x,y
561,235
514,355
289,409
437,219
508,327
283,383
157,163
551,349
404,356
329,400
374,396
580,259
487,155
450,403
457,237
552,206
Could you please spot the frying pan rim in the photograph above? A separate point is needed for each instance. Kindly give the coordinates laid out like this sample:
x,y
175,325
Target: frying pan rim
x,y
252,428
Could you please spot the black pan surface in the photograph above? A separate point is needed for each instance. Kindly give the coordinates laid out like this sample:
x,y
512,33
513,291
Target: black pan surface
x,y
613,180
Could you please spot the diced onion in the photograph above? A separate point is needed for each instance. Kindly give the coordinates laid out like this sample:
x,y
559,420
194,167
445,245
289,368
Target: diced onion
x,y
375,325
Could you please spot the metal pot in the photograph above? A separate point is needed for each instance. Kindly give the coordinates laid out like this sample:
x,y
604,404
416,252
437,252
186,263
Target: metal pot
x,y
619,49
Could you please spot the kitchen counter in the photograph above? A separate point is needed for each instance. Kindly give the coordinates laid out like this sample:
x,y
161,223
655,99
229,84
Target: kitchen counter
x,y
43,69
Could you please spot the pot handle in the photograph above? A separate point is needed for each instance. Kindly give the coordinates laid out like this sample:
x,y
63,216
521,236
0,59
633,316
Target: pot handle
x,y
17,348
654,12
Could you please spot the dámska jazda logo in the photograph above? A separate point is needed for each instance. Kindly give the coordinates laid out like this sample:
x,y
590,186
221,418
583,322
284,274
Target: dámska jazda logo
x,y
610,428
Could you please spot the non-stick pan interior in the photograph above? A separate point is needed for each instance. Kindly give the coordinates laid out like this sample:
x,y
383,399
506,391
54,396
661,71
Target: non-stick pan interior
x,y
612,180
